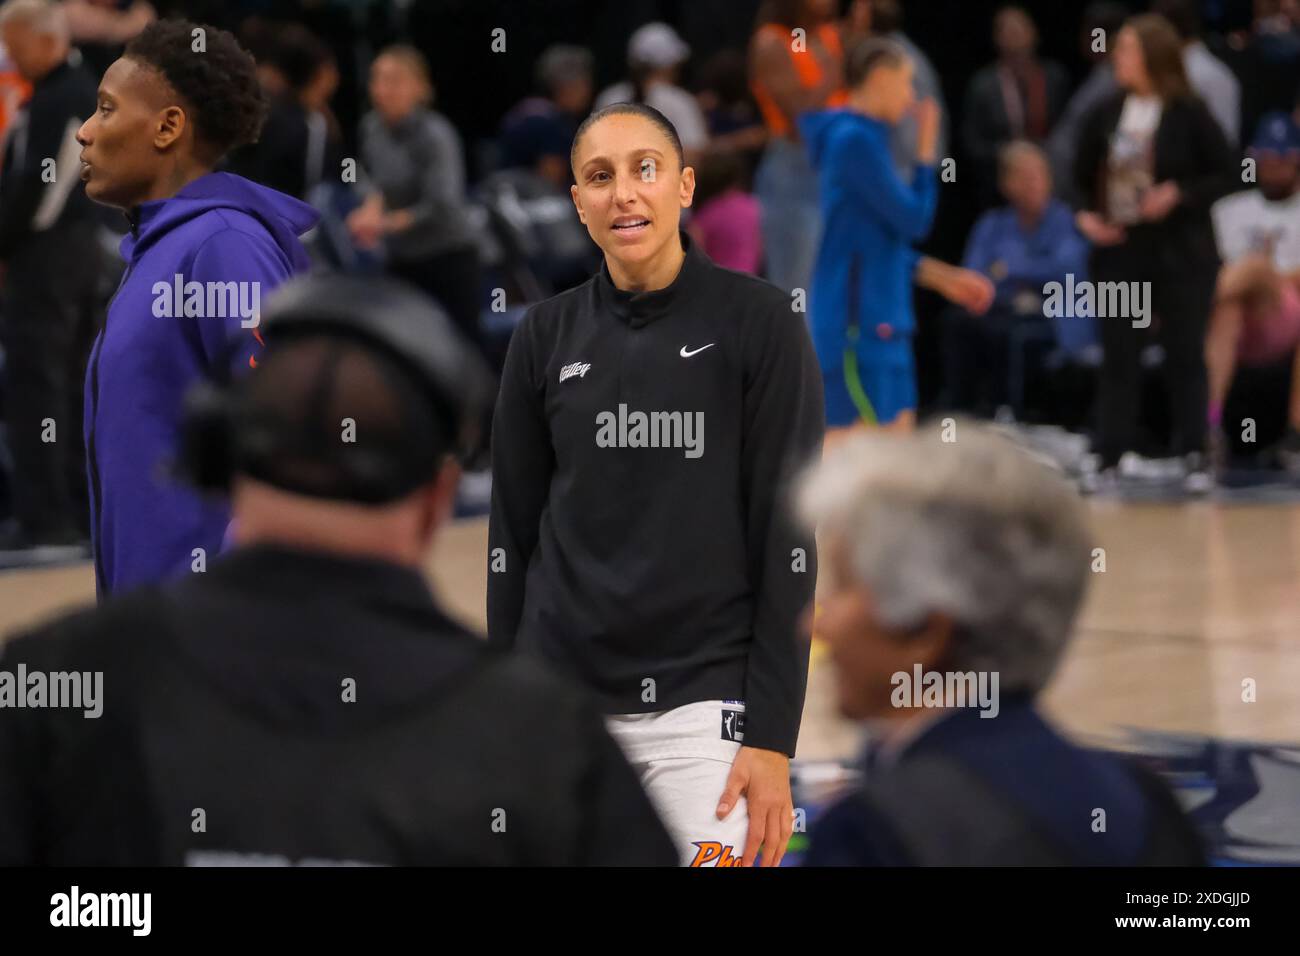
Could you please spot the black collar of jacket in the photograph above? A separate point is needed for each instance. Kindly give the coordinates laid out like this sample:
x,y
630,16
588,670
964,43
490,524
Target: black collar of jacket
x,y
289,572
640,308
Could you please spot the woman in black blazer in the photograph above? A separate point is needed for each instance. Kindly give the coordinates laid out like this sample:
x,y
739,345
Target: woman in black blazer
x,y
1151,162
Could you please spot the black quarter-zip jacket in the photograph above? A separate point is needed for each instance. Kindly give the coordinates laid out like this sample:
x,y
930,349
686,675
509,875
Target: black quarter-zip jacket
x,y
658,561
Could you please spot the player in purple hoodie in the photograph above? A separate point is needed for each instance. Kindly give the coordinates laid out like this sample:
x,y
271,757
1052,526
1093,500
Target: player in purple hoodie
x,y
204,249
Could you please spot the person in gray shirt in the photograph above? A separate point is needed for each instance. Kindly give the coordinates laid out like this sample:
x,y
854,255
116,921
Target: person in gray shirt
x,y
413,173
1101,23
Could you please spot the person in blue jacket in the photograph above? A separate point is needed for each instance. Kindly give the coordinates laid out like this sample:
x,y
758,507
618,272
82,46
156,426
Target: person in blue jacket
x,y
860,304
204,249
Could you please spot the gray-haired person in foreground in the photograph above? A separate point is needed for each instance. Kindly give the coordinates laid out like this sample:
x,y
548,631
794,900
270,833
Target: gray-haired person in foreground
x,y
954,566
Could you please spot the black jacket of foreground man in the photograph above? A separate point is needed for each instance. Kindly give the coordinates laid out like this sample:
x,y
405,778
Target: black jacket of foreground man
x,y
287,707
641,538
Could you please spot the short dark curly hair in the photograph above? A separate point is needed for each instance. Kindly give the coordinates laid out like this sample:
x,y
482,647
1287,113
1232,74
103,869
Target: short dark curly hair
x,y
219,82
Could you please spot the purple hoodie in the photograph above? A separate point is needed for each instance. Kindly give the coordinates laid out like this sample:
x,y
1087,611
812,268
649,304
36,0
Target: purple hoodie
x,y
221,228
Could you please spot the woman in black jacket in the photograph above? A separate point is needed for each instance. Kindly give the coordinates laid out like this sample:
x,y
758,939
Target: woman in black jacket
x,y
1151,162
640,542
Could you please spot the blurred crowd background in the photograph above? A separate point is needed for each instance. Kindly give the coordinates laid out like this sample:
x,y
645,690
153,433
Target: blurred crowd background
x,y
460,113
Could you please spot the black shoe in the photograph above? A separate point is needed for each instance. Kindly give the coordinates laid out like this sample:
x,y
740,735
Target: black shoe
x,y
1288,451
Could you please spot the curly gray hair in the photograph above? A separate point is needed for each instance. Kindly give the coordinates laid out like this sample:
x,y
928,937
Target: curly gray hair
x,y
973,528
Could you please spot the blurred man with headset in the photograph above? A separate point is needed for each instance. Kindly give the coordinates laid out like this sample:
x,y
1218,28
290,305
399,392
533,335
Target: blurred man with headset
x,y
305,699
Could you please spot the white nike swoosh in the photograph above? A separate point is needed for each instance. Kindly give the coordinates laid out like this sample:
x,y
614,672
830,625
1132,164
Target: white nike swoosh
x,y
686,354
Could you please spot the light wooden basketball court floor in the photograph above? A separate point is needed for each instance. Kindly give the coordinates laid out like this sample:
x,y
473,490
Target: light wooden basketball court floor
x,y
1195,600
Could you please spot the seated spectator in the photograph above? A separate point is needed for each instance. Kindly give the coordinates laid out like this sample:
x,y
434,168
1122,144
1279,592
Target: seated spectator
x,y
537,133
1256,317
654,55
1021,246
1019,96
964,561
726,220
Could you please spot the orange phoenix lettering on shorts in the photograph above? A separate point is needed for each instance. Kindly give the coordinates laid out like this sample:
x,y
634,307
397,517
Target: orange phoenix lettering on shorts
x,y
708,851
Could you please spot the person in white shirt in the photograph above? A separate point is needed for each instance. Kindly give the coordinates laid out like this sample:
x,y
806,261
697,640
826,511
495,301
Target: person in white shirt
x,y
1256,318
1210,77
654,54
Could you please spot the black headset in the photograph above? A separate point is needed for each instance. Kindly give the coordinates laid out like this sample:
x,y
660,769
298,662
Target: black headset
x,y
449,383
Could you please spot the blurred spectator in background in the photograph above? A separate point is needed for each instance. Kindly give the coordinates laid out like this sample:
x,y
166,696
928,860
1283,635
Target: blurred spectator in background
x,y
415,201
884,18
726,217
1209,76
1256,320
655,54
791,74
860,304
1095,47
966,561
101,28
538,132
14,90
1017,97
1267,59
301,144
48,242
730,111
1021,246
1152,160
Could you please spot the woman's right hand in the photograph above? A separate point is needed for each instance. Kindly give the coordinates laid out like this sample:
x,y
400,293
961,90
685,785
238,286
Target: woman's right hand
x,y
1098,230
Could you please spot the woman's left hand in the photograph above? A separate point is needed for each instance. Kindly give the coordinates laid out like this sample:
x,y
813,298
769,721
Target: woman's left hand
x,y
1159,201
762,777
